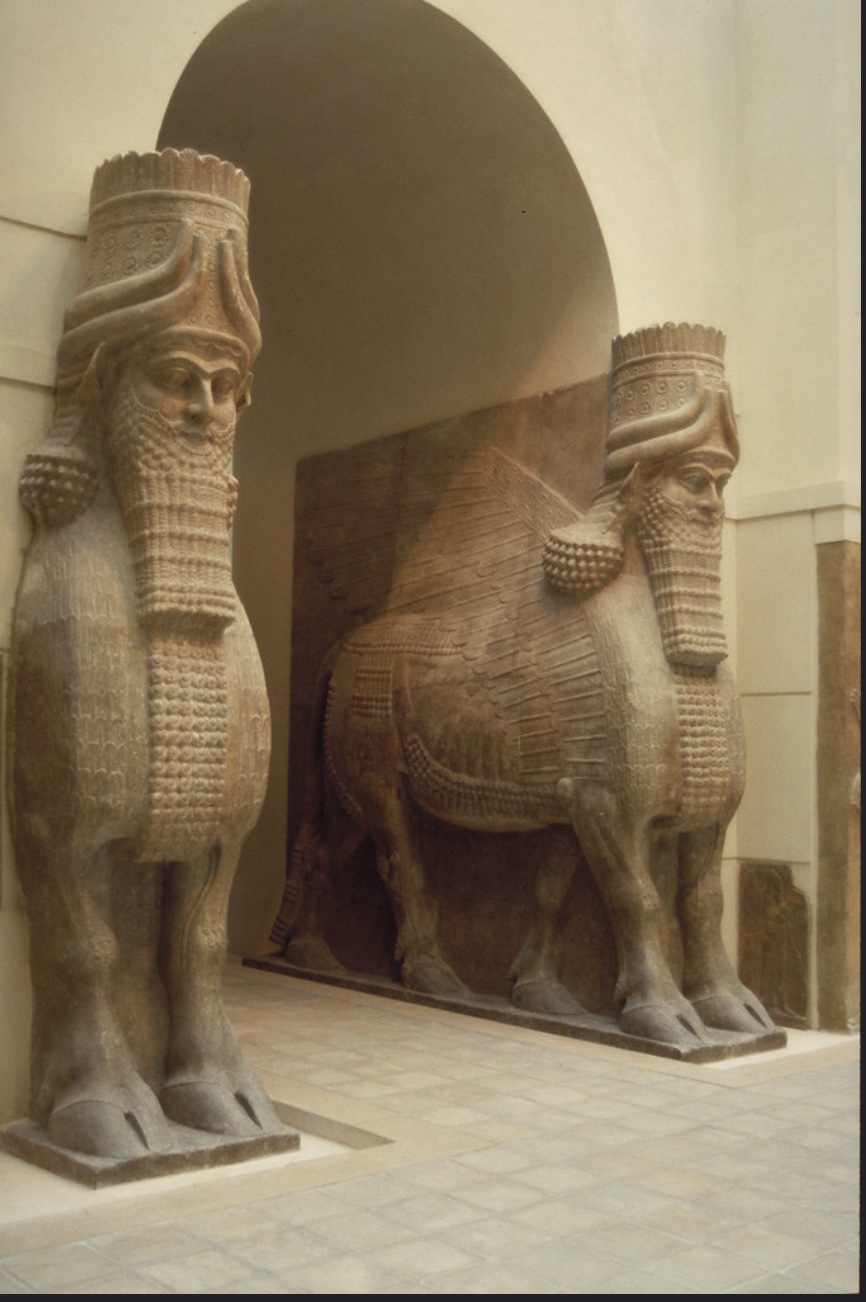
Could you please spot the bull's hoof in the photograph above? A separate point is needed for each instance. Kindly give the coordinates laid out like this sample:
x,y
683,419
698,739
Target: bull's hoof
x,y
732,1012
110,1129
544,995
431,976
216,1106
312,953
664,1024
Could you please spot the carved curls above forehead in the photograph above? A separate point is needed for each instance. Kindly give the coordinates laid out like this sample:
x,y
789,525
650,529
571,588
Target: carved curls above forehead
x,y
210,346
714,457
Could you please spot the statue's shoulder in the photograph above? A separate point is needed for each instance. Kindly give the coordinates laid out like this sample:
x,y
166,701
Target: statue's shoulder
x,y
58,484
75,568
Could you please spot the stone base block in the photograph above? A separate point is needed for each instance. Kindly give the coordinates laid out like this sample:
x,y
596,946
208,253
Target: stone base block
x,y
191,1150
585,1026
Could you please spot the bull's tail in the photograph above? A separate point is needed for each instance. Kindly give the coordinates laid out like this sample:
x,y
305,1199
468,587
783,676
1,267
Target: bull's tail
x,y
296,923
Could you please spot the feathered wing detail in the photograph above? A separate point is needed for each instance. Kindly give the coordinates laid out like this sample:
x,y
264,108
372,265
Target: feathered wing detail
x,y
449,535
466,564
351,535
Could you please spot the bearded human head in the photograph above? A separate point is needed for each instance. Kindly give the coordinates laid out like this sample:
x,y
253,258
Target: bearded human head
x,y
671,447
165,263
153,367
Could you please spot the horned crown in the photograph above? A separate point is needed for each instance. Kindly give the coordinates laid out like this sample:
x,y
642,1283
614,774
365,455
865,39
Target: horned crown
x,y
166,245
667,392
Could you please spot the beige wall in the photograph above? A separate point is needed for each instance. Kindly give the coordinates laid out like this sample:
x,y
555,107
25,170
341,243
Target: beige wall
x,y
797,359
717,146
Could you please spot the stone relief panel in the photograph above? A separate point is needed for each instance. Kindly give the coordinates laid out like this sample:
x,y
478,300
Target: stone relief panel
x,y
527,710
774,941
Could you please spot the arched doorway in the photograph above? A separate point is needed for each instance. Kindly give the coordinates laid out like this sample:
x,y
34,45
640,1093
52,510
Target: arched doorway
x,y
422,246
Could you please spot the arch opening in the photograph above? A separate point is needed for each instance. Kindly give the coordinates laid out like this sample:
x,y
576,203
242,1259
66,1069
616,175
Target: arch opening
x,y
422,246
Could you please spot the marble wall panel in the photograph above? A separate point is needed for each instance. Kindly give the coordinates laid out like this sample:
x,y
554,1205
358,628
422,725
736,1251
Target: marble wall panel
x,y
776,605
776,818
42,271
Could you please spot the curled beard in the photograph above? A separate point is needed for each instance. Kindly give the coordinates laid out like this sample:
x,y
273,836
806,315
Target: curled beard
x,y
683,556
177,502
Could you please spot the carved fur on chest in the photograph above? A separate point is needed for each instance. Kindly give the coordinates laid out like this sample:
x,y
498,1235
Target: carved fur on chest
x,y
167,741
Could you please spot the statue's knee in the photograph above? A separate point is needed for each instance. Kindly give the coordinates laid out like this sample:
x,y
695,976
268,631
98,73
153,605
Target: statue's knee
x,y
90,959
589,800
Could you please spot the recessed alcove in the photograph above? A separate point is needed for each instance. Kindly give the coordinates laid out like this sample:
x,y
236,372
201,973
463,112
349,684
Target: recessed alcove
x,y
422,245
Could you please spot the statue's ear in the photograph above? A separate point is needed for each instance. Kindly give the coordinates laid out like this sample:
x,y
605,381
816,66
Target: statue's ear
x,y
91,398
630,495
244,397
97,380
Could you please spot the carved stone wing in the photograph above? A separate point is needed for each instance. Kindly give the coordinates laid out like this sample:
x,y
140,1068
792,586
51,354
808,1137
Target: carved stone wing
x,y
464,545
447,534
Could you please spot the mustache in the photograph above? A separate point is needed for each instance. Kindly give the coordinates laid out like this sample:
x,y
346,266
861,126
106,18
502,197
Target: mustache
x,y
662,522
155,443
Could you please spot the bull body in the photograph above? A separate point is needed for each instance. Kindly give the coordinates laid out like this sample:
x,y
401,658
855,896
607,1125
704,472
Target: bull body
x,y
576,717
127,934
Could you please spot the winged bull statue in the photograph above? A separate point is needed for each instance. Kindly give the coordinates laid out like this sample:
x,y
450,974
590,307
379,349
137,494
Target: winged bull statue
x,y
537,666
140,725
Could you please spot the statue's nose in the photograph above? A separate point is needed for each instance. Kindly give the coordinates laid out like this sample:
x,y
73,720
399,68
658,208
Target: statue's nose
x,y
711,500
199,405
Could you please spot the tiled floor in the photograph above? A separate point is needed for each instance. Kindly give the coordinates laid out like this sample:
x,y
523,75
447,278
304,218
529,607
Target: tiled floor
x,y
517,1162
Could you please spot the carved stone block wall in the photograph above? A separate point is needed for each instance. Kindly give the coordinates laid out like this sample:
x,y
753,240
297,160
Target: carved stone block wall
x,y
838,920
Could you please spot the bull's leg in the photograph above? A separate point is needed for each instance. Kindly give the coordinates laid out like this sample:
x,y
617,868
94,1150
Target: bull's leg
x,y
86,1089
535,973
709,979
422,966
617,846
207,1084
316,856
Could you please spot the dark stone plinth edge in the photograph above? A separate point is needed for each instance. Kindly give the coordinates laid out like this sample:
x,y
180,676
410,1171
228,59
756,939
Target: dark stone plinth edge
x,y
586,1026
192,1150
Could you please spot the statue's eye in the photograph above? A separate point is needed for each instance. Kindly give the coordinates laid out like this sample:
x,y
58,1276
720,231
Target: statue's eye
x,y
174,379
694,480
224,387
